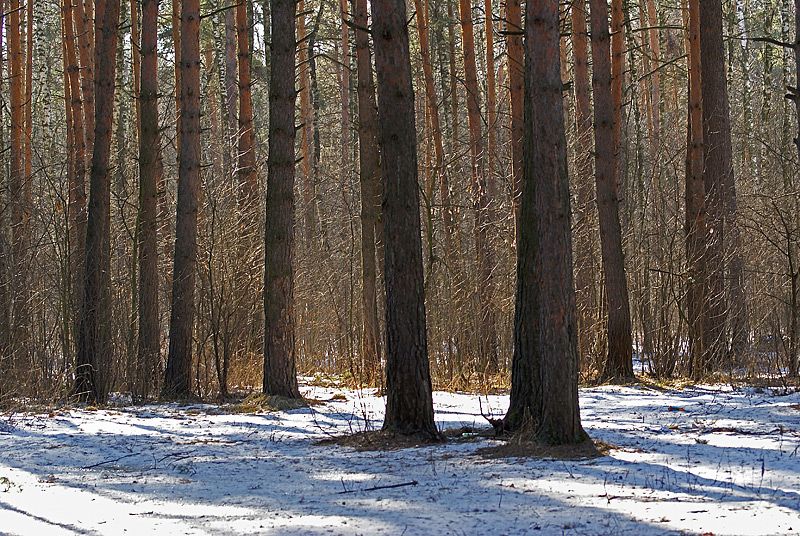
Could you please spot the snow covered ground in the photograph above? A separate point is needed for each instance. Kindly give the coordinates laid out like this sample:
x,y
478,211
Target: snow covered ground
x,y
705,460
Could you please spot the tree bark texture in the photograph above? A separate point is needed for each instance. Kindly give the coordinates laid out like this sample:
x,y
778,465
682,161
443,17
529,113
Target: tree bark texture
x,y
370,176
717,177
696,234
177,381
619,361
544,392
409,403
149,346
280,374
94,344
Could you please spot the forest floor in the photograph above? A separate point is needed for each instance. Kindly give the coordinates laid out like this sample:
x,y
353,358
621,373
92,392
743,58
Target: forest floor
x,y
707,459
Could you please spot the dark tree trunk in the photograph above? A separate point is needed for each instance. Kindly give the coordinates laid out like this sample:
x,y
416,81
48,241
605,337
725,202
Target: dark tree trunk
x,y
409,403
280,374
149,170
83,29
544,383
619,362
370,176
94,341
719,185
177,381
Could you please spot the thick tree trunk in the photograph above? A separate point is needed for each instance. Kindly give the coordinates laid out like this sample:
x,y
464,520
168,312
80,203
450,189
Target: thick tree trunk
x,y
280,375
544,383
717,178
177,381
619,363
94,337
409,403
150,168
248,182
370,176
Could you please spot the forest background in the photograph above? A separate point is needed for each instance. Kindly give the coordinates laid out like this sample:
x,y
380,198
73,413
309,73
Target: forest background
x,y
464,63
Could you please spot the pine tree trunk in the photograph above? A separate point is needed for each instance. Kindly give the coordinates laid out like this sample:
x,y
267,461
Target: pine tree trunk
x,y
516,68
619,362
409,403
544,382
94,335
696,233
177,381
149,347
248,182
307,124
77,180
717,178
280,376
370,176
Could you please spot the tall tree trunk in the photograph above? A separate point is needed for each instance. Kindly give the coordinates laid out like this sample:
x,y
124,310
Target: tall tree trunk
x,y
280,373
149,170
491,100
83,28
718,179
619,362
544,382
94,337
584,232
16,179
516,78
248,182
370,176
77,180
486,335
307,124
409,402
344,80
696,234
177,381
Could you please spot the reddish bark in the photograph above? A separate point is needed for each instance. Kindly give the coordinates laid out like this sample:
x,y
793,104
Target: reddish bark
x,y
248,181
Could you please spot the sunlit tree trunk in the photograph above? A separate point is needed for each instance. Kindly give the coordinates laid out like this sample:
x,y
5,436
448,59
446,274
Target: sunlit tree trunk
x,y
307,124
177,381
409,403
231,94
280,376
77,180
94,335
150,168
696,234
248,182
619,362
83,28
